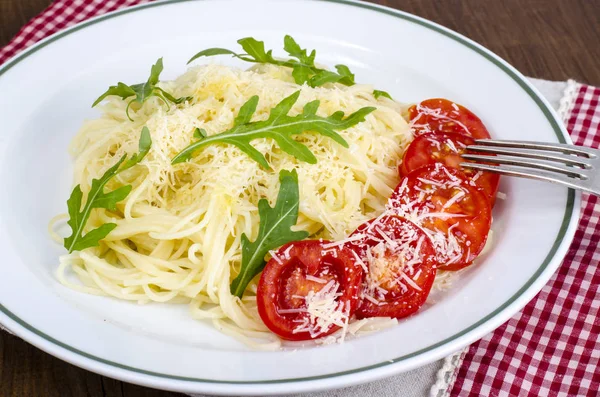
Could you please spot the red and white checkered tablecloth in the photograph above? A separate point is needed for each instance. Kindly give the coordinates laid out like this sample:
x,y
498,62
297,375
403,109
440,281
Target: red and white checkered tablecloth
x,y
59,15
551,347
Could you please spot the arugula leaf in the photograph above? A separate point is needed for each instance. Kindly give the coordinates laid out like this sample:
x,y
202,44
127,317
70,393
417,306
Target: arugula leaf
x,y
280,127
301,74
324,76
274,231
141,92
347,75
199,133
122,90
256,49
291,47
171,98
246,111
97,198
303,67
215,51
378,93
143,147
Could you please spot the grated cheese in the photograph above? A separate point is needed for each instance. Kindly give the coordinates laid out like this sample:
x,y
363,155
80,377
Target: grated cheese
x,y
389,259
179,231
323,311
316,279
451,145
438,114
274,255
454,199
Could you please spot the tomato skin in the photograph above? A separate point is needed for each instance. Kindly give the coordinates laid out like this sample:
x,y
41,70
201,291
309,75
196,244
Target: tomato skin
x,y
441,115
400,299
284,278
447,148
429,189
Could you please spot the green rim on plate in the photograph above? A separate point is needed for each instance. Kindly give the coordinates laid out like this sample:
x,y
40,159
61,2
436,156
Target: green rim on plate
x,y
398,14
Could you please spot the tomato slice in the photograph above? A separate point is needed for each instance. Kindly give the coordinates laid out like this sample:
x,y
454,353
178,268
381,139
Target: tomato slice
x,y
442,115
309,289
456,215
447,149
401,263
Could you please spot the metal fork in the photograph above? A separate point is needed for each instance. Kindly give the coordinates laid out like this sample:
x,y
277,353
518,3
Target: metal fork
x,y
573,166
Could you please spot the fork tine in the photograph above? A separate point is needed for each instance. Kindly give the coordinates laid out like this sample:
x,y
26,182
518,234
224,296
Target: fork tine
x,y
532,174
555,147
562,158
574,172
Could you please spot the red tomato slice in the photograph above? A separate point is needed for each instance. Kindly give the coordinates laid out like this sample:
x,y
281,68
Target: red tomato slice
x,y
456,215
297,281
401,264
442,115
447,148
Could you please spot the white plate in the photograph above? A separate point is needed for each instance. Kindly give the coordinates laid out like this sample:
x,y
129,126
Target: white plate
x,y
46,92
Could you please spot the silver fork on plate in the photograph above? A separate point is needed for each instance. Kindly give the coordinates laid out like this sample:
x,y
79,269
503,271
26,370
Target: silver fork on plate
x,y
573,166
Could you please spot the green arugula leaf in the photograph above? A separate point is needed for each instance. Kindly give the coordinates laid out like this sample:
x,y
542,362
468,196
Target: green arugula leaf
x,y
199,133
293,48
303,67
378,93
347,75
171,98
343,76
246,111
143,149
324,76
256,49
301,74
274,231
121,90
280,127
215,51
142,91
97,198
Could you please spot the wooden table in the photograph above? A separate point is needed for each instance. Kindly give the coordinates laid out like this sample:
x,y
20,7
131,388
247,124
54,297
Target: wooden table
x,y
550,39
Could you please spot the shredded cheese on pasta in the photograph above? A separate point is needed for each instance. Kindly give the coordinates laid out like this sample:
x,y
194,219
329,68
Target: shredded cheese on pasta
x,y
178,232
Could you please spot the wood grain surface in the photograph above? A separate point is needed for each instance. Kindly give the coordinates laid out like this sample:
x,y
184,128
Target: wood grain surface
x,y
550,39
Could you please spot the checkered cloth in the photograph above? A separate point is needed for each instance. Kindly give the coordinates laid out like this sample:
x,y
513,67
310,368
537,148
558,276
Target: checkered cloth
x,y
60,15
550,348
